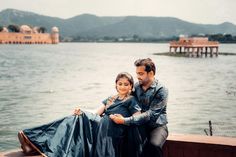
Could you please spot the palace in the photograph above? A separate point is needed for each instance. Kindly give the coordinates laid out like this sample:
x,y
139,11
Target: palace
x,y
27,35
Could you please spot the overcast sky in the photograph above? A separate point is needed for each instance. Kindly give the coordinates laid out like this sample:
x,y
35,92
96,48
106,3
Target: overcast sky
x,y
197,11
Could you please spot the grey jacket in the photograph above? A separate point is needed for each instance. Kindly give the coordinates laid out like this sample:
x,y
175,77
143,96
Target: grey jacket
x,y
153,103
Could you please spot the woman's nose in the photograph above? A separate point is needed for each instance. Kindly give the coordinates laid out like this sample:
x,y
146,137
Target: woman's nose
x,y
122,87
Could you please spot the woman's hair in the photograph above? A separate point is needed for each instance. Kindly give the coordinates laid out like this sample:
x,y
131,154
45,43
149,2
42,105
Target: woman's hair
x,y
125,75
148,63
119,76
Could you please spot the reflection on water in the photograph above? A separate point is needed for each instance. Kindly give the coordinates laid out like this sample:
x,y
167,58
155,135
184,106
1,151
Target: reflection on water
x,y
41,83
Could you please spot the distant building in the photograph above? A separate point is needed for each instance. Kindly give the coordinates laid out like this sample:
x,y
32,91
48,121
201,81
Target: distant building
x,y
28,35
194,46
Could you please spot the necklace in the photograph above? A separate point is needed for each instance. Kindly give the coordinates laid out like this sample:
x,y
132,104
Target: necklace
x,y
122,98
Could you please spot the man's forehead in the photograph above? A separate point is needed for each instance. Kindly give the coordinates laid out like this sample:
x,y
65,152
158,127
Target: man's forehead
x,y
140,68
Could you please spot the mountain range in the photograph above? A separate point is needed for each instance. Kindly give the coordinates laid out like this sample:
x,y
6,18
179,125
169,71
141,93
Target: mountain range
x,y
88,25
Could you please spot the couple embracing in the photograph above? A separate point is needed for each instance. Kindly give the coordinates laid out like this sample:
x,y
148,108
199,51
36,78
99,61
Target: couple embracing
x,y
131,123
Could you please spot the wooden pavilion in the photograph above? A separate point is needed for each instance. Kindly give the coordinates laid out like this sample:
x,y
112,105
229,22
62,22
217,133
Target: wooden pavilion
x,y
195,46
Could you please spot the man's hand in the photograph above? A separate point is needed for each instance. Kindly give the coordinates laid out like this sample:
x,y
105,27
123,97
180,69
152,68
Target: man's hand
x,y
117,118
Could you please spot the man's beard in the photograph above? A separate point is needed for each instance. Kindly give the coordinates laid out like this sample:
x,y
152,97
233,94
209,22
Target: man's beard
x,y
143,82
140,82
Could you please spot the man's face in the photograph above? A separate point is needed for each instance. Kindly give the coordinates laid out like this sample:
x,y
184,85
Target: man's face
x,y
143,77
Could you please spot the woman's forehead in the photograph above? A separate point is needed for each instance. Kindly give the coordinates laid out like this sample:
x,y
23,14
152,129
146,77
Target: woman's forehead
x,y
123,79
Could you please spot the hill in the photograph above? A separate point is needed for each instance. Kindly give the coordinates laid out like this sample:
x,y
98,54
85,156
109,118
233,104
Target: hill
x,y
88,25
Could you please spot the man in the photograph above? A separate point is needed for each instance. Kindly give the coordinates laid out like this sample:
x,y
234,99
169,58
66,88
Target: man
x,y
152,98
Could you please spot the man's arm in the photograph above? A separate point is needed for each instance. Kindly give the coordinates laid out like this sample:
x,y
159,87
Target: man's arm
x,y
157,107
150,115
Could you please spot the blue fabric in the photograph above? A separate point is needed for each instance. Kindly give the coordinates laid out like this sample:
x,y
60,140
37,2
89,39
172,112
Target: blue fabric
x,y
124,107
87,135
67,137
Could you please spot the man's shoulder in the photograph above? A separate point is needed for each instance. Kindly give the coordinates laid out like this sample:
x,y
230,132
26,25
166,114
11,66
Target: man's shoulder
x,y
162,91
161,86
157,85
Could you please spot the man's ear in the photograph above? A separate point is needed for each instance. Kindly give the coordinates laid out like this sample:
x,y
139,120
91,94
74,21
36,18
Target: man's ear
x,y
151,73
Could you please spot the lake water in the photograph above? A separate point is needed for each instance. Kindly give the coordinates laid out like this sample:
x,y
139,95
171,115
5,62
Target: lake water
x,y
41,83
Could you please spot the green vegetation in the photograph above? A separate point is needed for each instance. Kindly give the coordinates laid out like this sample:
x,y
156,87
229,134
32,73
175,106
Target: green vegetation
x,y
13,28
222,38
92,28
42,30
135,38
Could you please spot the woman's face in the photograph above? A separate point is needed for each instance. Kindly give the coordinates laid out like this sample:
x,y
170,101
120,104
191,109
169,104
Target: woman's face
x,y
123,86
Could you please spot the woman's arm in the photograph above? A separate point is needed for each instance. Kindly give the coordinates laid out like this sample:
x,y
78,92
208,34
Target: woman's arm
x,y
99,111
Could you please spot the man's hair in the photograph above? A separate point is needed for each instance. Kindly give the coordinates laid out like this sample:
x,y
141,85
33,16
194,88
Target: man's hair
x,y
125,75
148,63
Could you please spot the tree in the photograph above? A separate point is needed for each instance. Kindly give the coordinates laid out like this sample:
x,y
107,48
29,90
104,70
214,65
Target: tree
x,y
13,28
1,28
228,38
42,30
136,37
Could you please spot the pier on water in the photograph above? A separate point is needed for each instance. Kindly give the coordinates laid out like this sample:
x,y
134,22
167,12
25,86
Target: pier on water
x,y
194,47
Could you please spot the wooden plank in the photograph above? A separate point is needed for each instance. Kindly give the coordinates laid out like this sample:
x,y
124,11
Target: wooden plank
x,y
181,146
199,146
16,153
229,141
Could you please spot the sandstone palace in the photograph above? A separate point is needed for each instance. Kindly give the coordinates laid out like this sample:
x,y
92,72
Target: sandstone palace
x,y
28,35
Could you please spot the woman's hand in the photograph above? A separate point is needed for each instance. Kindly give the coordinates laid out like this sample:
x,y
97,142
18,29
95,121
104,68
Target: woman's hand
x,y
77,111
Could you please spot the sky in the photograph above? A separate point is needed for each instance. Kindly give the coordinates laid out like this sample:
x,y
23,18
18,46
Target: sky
x,y
196,11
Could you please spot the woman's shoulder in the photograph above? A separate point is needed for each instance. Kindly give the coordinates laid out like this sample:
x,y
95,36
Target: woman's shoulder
x,y
130,98
110,99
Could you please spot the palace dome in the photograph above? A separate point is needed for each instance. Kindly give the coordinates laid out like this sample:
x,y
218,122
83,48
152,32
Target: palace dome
x,y
35,29
25,29
5,30
55,30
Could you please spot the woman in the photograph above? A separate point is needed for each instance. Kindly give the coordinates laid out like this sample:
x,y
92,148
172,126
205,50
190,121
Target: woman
x,y
84,133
